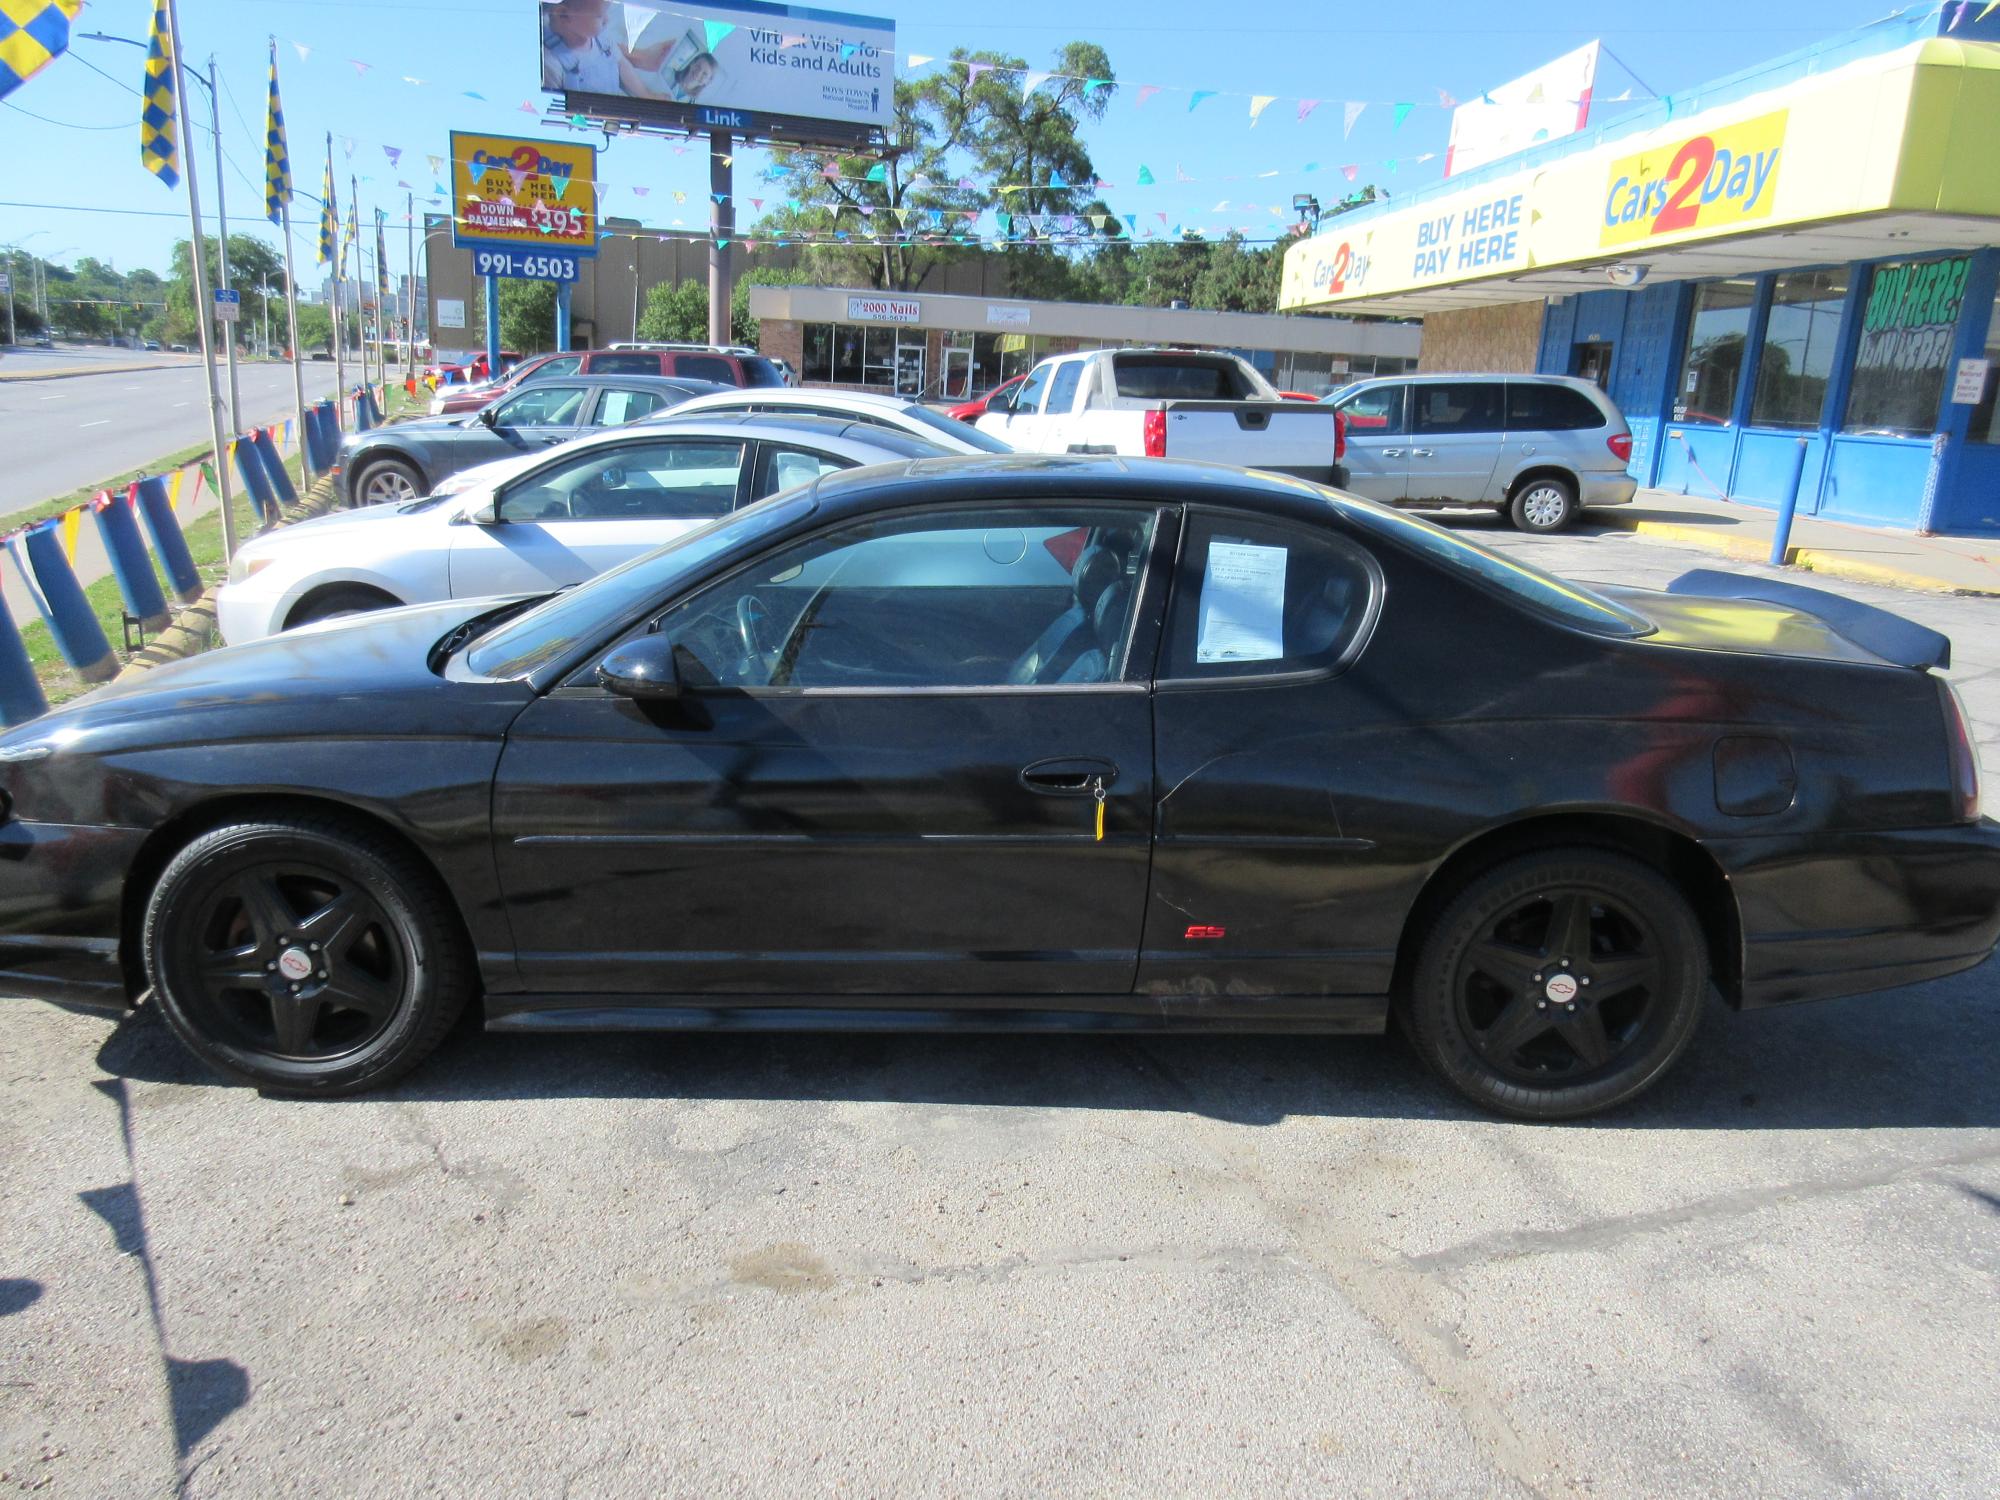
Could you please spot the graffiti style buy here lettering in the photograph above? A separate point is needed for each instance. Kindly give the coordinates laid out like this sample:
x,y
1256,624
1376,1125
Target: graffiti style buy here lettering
x,y
1710,181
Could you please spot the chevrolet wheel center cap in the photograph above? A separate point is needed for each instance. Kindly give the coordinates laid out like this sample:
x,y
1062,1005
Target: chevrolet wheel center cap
x,y
294,964
1561,988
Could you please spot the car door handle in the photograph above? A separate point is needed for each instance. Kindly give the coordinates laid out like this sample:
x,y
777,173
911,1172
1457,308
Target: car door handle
x,y
1392,452
1068,776
1423,453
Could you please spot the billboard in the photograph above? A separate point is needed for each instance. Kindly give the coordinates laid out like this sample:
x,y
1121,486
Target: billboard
x,y
523,204
1552,101
784,71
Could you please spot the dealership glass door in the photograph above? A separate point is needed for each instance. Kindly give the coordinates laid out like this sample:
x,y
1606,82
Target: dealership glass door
x,y
957,384
910,363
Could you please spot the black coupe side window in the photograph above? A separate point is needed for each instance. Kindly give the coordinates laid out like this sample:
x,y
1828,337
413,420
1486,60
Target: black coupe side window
x,y
1258,598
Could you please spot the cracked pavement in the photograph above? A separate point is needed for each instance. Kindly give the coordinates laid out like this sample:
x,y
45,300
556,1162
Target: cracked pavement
x,y
720,1264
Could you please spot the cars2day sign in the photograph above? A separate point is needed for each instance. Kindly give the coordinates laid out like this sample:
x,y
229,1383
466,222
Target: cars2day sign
x,y
1709,182
510,193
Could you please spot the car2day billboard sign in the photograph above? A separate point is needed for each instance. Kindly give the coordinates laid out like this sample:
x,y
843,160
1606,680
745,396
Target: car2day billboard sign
x,y
527,208
762,70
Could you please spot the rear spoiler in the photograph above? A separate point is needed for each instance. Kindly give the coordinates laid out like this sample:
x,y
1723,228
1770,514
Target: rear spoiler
x,y
1896,640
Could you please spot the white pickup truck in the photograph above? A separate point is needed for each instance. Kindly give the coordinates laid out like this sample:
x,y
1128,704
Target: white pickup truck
x,y
1168,403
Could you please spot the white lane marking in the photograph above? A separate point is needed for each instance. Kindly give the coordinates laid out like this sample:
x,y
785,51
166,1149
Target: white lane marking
x,y
57,397
183,403
102,421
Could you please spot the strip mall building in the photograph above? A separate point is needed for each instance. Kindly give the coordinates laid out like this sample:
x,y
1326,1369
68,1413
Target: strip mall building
x,y
1805,250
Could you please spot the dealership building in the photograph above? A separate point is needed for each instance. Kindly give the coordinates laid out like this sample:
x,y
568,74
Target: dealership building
x,y
1800,257
946,346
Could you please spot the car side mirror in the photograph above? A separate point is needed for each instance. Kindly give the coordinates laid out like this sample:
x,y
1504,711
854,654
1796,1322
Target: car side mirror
x,y
644,668
486,515
1001,404
489,416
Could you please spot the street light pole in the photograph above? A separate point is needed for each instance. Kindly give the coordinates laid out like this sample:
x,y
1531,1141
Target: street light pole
x,y
222,251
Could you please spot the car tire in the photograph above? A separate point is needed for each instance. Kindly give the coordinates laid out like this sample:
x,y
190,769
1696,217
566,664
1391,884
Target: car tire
x,y
384,480
1543,504
1511,1011
228,947
338,604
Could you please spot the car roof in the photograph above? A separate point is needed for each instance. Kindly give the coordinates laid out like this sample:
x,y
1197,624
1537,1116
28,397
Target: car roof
x,y
787,395
805,426
1574,382
687,385
975,478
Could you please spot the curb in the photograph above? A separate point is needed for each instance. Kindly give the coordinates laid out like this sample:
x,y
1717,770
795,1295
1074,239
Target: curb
x,y
1807,559
73,373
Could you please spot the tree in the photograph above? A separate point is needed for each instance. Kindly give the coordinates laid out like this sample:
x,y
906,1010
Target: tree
x,y
902,217
527,315
676,312
315,327
251,262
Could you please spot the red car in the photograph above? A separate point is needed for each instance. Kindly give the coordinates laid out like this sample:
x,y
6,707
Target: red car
x,y
737,367
972,411
473,369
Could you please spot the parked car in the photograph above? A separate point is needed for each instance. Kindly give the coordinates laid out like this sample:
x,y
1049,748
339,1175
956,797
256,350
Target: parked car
x,y
731,367
1068,744
1536,448
42,341
152,346
786,372
542,521
1166,403
179,349
972,411
406,459
898,413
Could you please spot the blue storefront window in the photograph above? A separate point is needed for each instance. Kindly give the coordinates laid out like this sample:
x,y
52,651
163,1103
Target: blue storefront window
x,y
1909,324
1712,359
1801,339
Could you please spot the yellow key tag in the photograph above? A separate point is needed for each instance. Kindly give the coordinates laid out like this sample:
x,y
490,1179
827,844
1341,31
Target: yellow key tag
x,y
1100,809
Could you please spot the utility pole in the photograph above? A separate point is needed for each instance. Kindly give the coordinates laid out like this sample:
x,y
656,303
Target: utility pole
x,y
222,249
722,216
12,336
409,287
204,305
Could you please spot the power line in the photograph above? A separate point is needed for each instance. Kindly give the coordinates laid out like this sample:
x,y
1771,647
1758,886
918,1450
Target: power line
x,y
65,124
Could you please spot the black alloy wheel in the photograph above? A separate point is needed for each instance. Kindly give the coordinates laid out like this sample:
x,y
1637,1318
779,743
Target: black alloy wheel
x,y
1559,983
304,956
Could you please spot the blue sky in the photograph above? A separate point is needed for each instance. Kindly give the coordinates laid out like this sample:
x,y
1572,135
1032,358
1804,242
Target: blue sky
x,y
1380,54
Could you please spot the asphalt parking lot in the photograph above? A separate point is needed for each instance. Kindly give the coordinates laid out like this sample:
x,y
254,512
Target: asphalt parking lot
x,y
1009,1265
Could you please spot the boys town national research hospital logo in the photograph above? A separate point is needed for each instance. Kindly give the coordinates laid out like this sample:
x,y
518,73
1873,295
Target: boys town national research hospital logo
x,y
1713,181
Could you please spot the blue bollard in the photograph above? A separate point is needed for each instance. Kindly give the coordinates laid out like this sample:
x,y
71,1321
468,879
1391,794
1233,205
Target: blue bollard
x,y
363,418
274,467
250,468
330,415
169,546
326,442
309,442
131,564
1781,539
70,618
20,694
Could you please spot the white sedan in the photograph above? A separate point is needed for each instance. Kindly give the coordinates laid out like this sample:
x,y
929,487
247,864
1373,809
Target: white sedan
x,y
897,413
533,524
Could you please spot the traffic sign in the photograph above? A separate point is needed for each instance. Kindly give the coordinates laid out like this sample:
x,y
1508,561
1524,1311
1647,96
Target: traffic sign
x,y
228,305
542,265
6,282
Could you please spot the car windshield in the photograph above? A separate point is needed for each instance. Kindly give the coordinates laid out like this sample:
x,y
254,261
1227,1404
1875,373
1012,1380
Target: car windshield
x,y
551,630
1543,591
957,431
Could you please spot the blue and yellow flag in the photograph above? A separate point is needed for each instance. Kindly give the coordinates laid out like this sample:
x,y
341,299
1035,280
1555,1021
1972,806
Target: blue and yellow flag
x,y
277,158
351,240
329,217
33,34
381,266
158,150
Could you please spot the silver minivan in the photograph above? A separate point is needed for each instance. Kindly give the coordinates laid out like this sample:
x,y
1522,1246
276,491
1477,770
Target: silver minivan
x,y
1537,448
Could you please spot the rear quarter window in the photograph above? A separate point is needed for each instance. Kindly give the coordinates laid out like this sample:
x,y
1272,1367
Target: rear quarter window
x,y
1258,598
707,367
761,372
1534,407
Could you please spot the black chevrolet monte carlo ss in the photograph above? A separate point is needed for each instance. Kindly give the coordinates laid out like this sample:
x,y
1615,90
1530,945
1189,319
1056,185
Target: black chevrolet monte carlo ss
x,y
1067,743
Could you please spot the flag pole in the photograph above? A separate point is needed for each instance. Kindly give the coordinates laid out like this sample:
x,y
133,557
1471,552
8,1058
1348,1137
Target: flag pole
x,y
204,308
409,288
291,299
360,285
339,325
222,249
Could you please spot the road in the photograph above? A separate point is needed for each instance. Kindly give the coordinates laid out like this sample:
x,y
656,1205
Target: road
x,y
60,434
716,1264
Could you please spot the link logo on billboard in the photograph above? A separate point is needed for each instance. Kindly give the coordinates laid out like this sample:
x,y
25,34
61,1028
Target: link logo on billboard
x,y
1713,181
